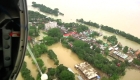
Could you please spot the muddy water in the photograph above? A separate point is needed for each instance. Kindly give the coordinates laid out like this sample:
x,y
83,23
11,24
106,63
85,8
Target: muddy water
x,y
47,61
131,74
65,56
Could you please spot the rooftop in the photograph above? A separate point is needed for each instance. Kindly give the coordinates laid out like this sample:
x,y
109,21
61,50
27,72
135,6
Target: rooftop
x,y
87,70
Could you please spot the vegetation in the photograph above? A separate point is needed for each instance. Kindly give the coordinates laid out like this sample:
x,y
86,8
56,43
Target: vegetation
x,y
53,56
125,49
94,34
48,40
61,73
34,16
33,31
55,32
26,72
38,50
104,37
99,41
46,9
112,30
136,61
112,40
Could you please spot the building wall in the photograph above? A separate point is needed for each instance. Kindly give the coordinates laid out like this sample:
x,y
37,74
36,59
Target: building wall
x,y
50,25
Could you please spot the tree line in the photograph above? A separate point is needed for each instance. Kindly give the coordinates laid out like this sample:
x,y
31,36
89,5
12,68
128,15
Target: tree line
x,y
110,29
46,9
53,56
60,73
25,72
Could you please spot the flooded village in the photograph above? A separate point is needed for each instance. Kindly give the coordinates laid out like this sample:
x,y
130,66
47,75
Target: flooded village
x,y
85,71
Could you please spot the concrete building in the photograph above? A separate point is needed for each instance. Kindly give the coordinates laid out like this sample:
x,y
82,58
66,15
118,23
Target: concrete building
x,y
87,70
50,25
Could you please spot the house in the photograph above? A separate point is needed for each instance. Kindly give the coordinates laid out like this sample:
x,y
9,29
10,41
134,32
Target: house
x,y
110,48
50,25
137,52
69,34
29,38
88,71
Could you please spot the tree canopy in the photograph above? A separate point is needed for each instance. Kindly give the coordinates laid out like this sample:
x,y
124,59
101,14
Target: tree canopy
x,y
112,40
48,40
55,32
39,49
61,73
26,72
46,9
125,49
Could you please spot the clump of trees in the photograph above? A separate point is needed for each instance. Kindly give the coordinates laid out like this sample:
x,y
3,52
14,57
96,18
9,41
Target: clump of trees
x,y
48,40
125,49
33,31
112,40
46,9
61,73
99,41
55,33
38,50
104,37
53,56
94,34
26,72
88,23
34,16
136,61
110,29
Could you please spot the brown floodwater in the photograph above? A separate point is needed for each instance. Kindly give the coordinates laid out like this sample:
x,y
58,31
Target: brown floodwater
x,y
131,74
66,56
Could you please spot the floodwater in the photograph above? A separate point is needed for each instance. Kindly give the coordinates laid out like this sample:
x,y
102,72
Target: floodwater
x,y
131,74
65,56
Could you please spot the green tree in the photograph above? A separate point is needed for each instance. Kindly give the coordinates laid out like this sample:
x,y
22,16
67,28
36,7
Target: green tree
x,y
97,50
99,41
66,75
48,40
104,37
106,52
55,32
125,49
136,61
112,39
104,78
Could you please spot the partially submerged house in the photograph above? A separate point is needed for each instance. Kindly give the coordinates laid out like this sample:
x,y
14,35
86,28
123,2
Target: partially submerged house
x,y
88,71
